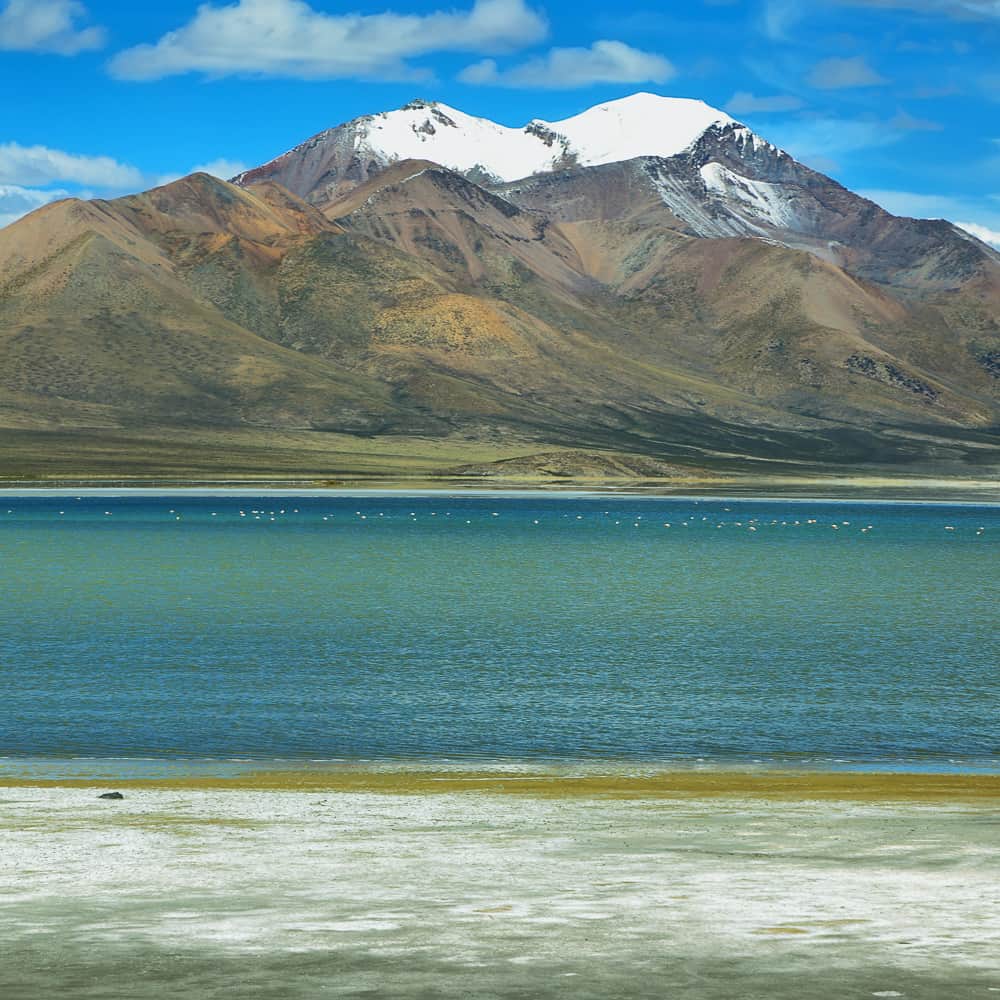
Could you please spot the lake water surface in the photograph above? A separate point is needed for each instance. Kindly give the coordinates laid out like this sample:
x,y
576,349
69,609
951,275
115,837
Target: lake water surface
x,y
545,627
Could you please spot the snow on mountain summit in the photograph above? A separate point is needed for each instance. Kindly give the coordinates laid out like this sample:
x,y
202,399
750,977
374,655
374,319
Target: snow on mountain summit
x,y
641,125
434,131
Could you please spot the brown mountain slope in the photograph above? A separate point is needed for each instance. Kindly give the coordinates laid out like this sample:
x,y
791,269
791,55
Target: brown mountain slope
x,y
423,304
726,186
776,325
463,228
106,315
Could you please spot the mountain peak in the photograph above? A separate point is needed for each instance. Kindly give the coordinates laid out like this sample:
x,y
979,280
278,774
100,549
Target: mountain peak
x,y
642,124
644,101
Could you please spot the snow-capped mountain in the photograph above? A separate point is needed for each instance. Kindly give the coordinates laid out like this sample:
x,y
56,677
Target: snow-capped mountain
x,y
730,182
714,175
632,278
335,160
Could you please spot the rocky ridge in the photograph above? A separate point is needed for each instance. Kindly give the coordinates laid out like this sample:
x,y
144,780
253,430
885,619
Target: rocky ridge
x,y
687,293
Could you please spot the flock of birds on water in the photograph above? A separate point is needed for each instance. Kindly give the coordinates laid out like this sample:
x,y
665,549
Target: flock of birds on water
x,y
617,519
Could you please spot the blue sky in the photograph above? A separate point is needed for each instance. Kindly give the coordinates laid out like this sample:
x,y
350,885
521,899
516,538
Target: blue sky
x,y
897,99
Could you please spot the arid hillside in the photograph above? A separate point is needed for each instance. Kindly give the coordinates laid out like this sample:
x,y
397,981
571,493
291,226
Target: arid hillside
x,y
719,308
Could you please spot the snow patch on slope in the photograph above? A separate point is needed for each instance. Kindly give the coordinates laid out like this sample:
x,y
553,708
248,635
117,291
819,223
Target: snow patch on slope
x,y
701,216
763,201
745,137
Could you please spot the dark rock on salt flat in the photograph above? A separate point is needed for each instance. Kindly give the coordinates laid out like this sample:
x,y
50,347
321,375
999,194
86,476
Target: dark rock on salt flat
x,y
111,795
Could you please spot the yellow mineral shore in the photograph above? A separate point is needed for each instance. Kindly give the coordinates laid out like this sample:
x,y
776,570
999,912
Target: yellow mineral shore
x,y
763,784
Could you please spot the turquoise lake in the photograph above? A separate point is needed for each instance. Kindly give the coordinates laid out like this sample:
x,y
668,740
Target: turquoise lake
x,y
545,627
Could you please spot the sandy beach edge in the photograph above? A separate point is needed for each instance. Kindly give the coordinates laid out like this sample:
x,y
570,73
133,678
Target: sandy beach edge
x,y
769,784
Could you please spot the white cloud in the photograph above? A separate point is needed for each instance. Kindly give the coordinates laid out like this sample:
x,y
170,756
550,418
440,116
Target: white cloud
x,y
16,201
32,176
563,69
839,74
778,17
938,206
288,38
46,26
39,165
991,236
968,9
223,169
745,103
913,205
908,123
977,8
820,142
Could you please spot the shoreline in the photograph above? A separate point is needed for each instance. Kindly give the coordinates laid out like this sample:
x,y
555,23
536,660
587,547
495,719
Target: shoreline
x,y
982,494
765,784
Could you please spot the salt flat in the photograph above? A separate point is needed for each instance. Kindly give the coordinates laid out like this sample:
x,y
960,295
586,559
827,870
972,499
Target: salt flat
x,y
224,893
